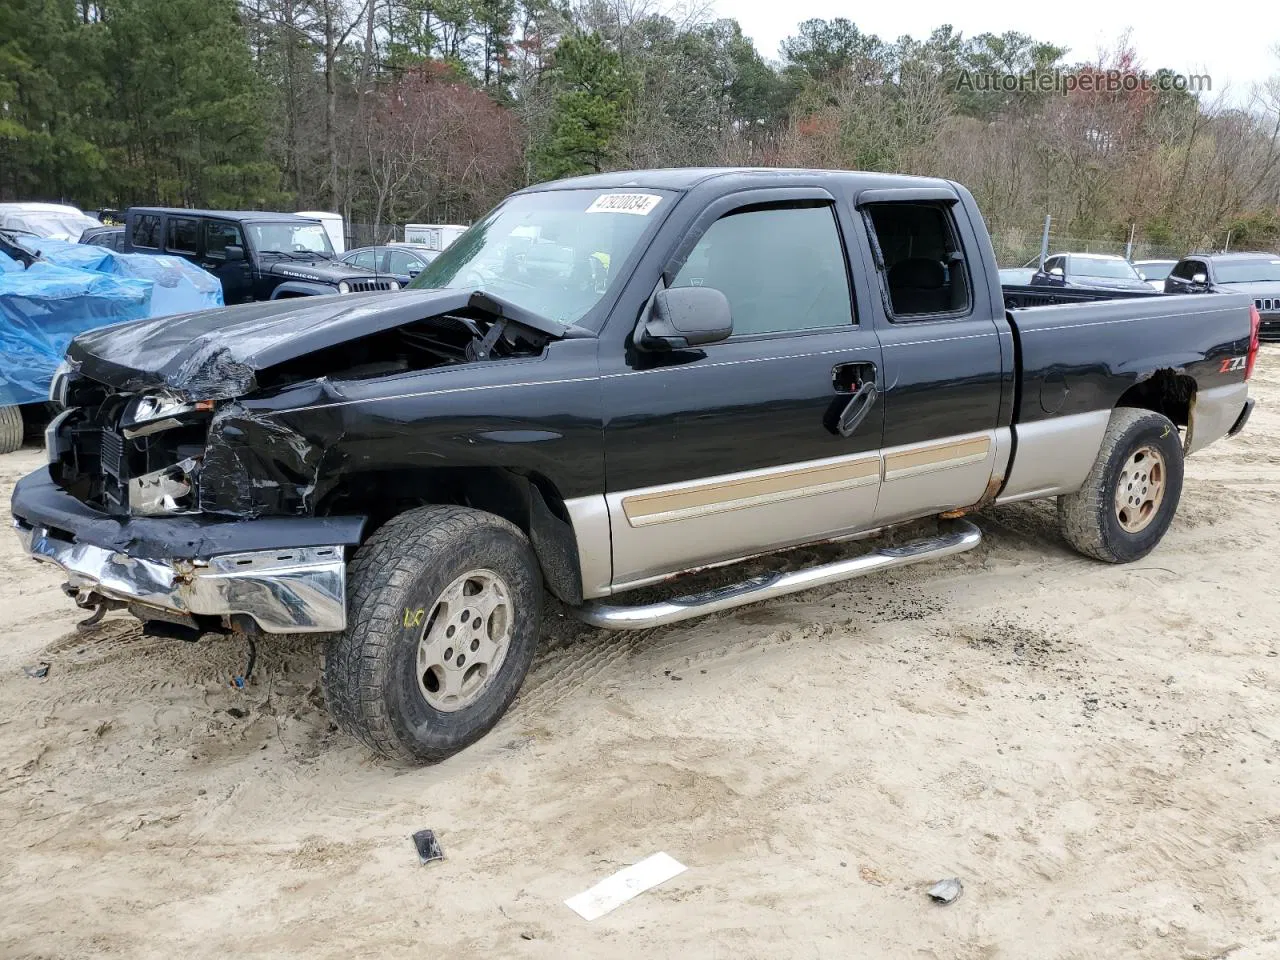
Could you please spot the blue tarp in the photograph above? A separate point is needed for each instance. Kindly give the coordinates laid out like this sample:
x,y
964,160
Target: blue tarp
x,y
43,307
79,287
181,286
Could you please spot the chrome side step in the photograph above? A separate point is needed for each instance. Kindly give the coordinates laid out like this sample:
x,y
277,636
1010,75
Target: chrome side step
x,y
955,536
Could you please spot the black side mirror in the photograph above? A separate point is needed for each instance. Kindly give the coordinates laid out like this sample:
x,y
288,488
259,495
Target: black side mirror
x,y
684,317
234,253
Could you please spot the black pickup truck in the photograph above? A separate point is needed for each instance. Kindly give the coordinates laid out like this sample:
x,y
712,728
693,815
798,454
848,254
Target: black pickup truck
x,y
604,384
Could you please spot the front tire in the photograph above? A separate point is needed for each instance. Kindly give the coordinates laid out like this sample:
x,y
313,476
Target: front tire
x,y
1131,494
444,613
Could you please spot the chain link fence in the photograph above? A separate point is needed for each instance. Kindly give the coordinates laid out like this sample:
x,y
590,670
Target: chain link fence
x,y
1020,246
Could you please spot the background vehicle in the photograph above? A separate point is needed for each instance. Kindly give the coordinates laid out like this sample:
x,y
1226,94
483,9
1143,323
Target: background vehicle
x,y
53,220
110,237
334,225
1154,272
401,261
607,383
433,236
1016,275
1256,275
1094,271
257,255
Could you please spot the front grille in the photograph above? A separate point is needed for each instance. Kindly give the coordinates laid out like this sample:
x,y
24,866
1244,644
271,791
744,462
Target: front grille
x,y
365,286
1267,303
111,453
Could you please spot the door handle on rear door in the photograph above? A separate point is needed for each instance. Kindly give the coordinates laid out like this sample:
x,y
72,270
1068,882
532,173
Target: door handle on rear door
x,y
856,410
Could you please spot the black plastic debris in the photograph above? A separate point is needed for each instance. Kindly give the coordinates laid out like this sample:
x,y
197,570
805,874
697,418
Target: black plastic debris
x,y
37,671
946,891
428,846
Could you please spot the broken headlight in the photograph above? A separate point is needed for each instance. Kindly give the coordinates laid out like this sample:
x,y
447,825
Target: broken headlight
x,y
151,414
169,490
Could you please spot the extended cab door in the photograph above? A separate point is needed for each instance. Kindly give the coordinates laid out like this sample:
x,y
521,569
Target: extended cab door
x,y
947,354
767,439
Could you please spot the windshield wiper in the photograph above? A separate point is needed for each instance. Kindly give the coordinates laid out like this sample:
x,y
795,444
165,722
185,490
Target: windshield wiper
x,y
295,256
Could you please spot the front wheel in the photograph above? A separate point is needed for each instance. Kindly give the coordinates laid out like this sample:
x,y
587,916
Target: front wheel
x,y
444,613
1131,494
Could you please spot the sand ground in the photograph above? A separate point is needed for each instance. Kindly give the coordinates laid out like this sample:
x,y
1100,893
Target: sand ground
x,y
1093,750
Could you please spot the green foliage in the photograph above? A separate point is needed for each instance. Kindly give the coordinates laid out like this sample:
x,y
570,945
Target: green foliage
x,y
588,110
147,100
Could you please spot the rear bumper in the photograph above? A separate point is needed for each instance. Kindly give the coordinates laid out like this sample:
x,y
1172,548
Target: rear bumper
x,y
286,574
1242,419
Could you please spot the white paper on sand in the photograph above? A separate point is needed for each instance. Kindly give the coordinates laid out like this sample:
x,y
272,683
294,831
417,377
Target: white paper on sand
x,y
616,890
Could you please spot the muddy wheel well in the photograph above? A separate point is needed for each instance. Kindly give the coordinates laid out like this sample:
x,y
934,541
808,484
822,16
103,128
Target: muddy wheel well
x,y
1166,392
530,501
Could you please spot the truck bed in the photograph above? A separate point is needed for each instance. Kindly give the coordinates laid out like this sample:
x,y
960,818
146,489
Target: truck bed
x,y
1022,295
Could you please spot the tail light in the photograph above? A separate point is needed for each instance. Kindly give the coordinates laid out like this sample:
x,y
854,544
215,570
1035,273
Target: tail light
x,y
1256,322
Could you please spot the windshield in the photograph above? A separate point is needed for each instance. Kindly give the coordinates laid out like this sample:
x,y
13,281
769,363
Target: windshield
x,y
1155,270
1097,267
54,226
553,253
1248,271
290,238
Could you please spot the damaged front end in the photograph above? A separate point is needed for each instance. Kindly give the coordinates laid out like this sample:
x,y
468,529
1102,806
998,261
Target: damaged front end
x,y
149,470
129,455
203,434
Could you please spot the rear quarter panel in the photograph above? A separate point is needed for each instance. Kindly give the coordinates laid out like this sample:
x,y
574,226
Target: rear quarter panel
x,y
1079,358
1077,361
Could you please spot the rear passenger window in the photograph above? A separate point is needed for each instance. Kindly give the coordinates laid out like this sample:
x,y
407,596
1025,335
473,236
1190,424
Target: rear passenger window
x,y
782,269
183,235
924,270
146,231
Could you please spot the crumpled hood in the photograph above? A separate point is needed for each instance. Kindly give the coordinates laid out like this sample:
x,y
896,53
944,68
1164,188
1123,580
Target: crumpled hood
x,y
317,271
217,354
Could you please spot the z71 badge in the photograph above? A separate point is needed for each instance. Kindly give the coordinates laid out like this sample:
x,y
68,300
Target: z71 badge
x,y
1232,364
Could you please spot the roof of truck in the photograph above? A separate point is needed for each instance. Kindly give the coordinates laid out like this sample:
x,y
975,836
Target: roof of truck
x,y
246,215
684,178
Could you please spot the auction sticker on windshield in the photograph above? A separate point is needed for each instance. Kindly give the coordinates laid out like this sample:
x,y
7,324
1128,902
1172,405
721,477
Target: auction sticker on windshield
x,y
639,204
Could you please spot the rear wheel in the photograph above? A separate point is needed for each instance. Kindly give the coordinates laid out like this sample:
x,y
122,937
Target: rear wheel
x,y
1131,494
444,613
10,428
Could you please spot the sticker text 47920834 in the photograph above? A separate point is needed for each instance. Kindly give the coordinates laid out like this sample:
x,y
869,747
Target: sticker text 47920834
x,y
637,204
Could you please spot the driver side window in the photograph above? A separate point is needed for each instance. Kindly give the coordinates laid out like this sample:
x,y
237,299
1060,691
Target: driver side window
x,y
782,269
218,235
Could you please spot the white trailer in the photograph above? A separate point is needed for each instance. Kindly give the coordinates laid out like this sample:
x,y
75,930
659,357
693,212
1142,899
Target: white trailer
x,y
333,226
437,236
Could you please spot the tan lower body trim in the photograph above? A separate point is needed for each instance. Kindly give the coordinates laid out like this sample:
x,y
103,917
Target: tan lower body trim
x,y
752,489
939,456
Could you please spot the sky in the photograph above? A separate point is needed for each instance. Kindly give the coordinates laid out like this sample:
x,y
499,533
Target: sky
x,y
1234,46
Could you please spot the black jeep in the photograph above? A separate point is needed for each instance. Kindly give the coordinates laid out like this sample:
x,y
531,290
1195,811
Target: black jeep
x,y
257,255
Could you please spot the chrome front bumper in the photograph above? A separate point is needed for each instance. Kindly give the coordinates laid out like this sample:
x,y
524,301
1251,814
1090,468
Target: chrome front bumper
x,y
293,590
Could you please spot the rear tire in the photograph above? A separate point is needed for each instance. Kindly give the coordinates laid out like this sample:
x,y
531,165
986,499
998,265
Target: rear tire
x,y
443,619
11,431
1131,494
